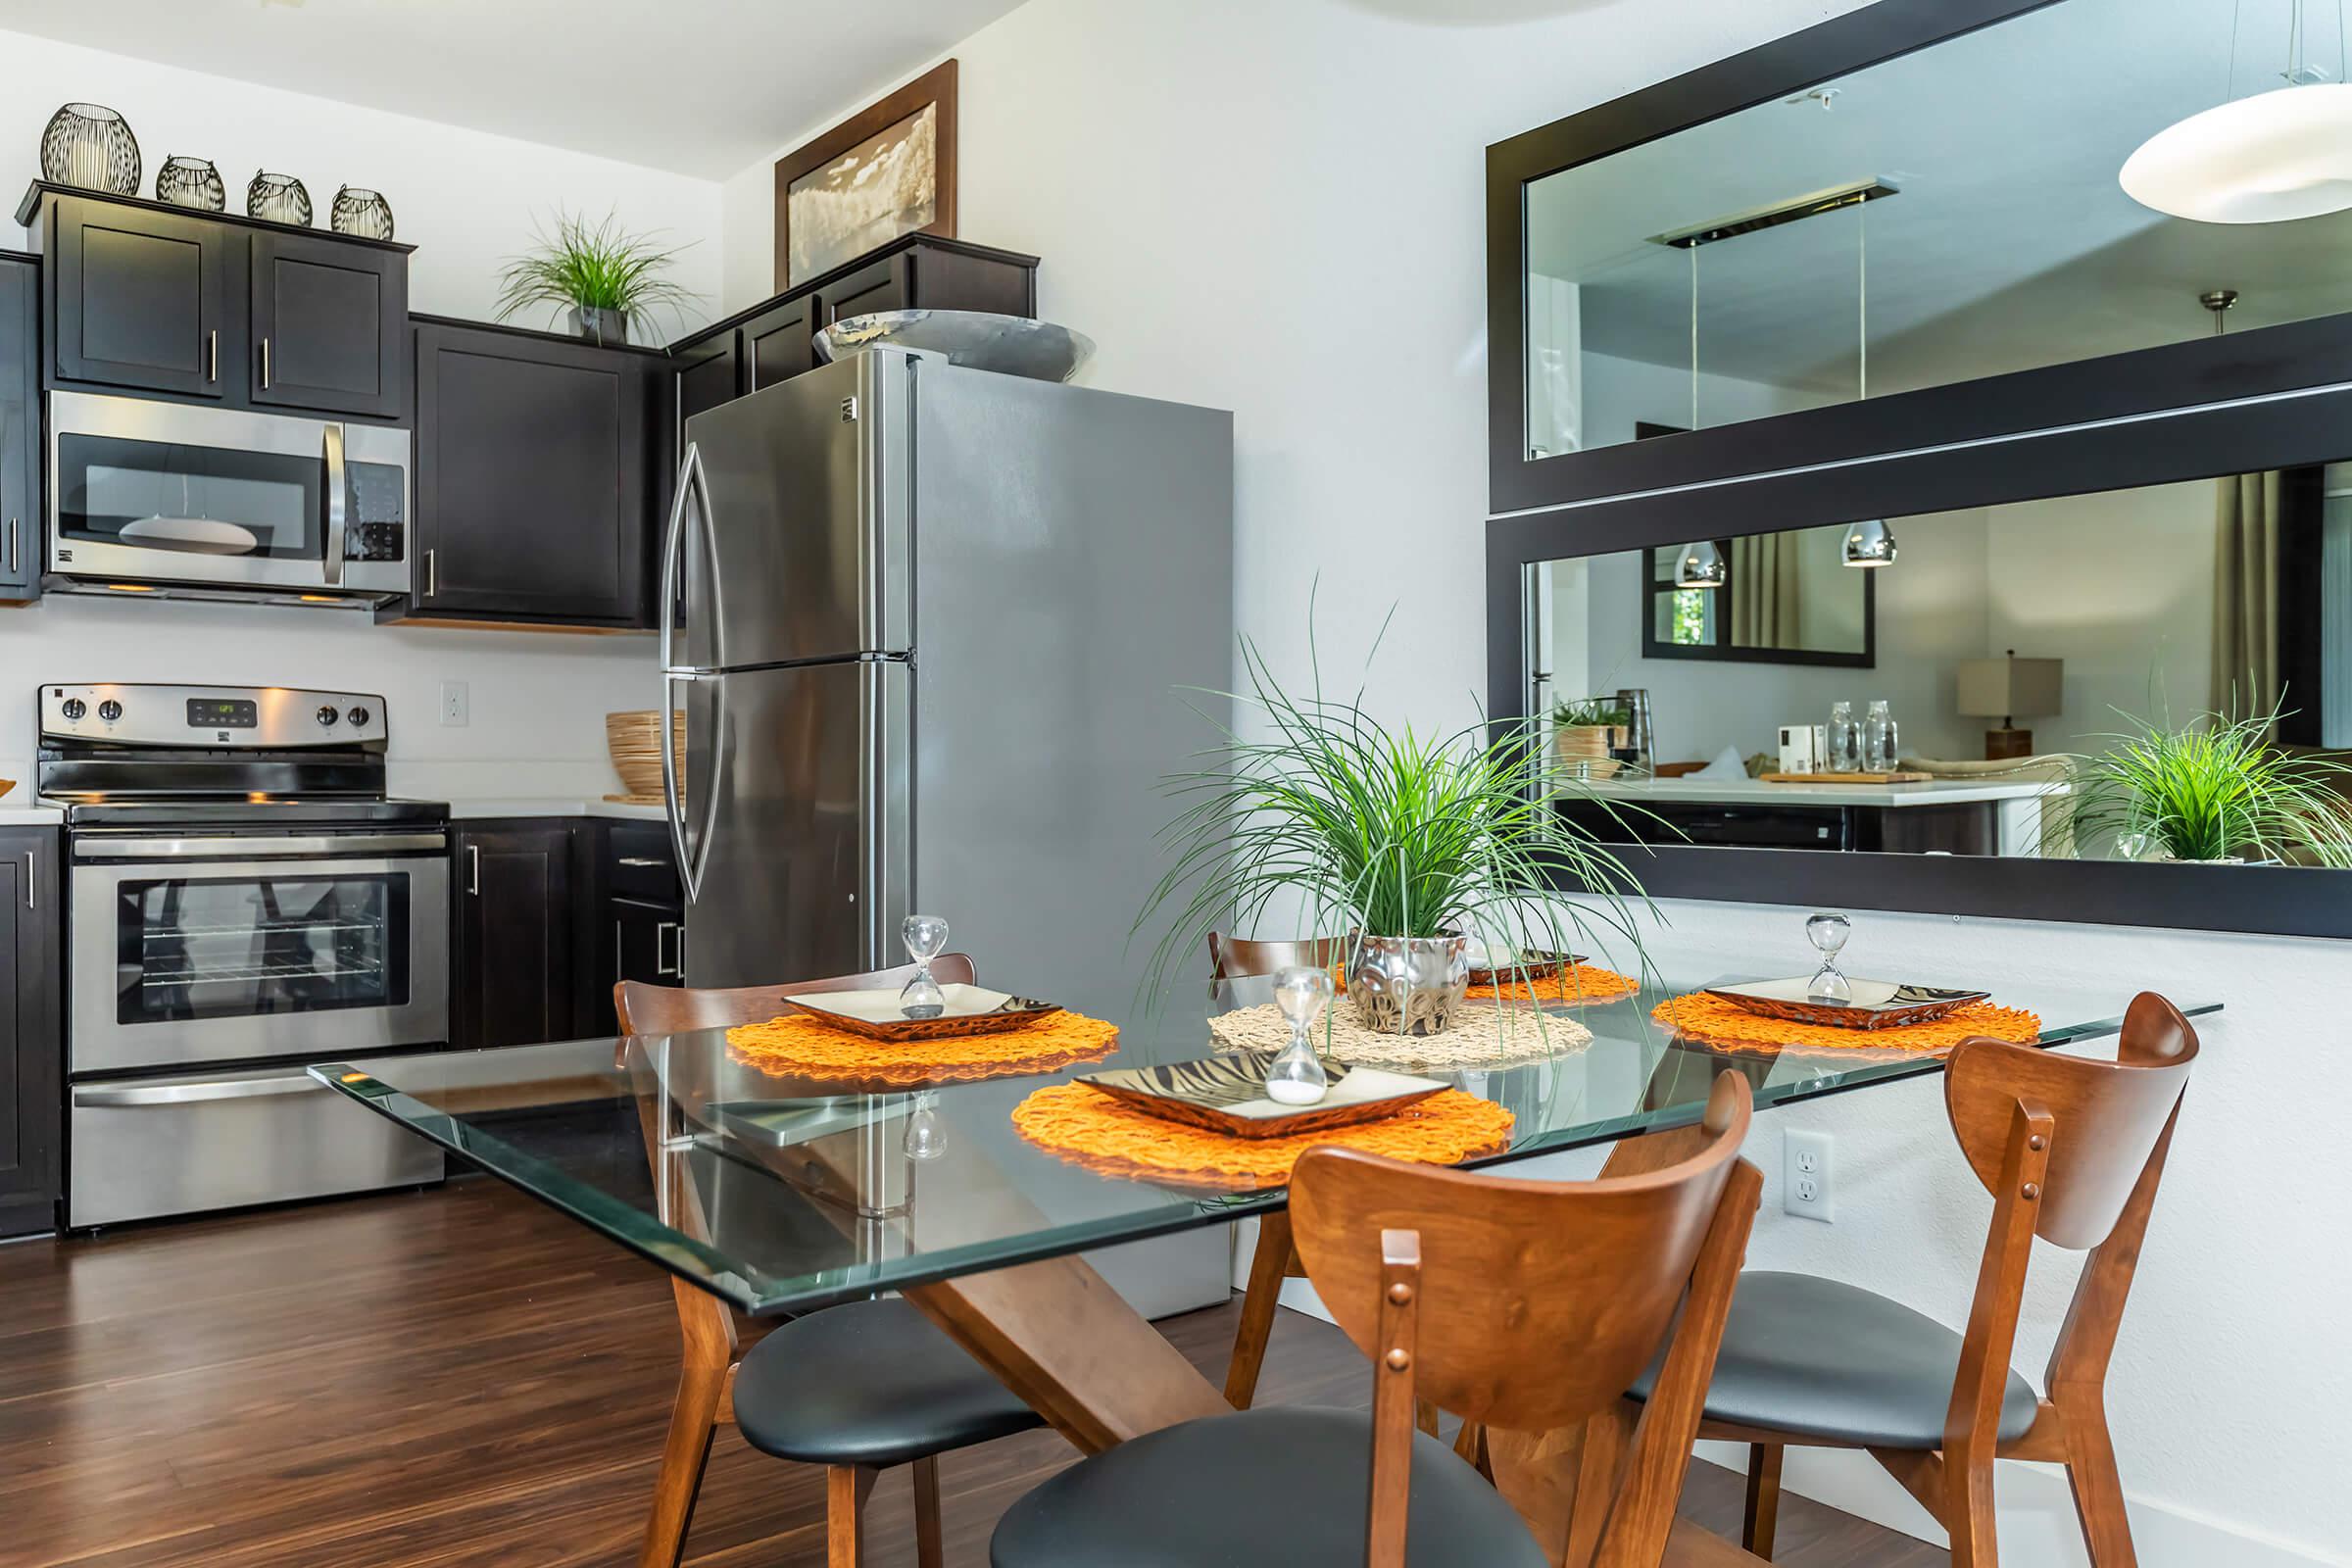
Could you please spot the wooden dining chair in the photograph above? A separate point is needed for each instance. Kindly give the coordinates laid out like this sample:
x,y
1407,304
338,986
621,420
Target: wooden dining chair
x,y
857,1388
2072,1149
1275,1260
1519,1304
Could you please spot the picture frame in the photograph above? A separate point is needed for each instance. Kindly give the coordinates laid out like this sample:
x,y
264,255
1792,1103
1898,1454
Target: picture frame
x,y
831,205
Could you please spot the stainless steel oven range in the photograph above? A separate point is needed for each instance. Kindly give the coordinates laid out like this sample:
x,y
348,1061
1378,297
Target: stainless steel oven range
x,y
242,898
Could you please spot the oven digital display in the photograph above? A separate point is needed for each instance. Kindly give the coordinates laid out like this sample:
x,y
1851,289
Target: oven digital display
x,y
237,712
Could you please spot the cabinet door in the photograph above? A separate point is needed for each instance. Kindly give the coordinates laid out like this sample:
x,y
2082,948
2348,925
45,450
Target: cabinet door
x,y
32,1040
329,326
781,343
708,374
882,286
19,432
514,936
649,943
146,299
532,497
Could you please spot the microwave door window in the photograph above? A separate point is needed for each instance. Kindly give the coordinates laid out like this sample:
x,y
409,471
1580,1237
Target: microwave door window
x,y
190,500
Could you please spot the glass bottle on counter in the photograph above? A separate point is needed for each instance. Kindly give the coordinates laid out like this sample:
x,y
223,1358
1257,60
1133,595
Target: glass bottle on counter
x,y
1845,740
1879,745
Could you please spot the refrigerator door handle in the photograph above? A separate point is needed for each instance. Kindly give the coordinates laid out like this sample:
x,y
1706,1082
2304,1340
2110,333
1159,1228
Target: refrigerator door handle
x,y
671,797
690,478
695,856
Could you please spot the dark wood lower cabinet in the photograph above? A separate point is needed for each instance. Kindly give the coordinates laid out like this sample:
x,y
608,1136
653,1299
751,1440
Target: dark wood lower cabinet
x,y
31,1030
516,932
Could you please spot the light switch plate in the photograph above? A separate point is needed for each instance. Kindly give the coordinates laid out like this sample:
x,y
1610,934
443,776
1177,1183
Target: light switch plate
x,y
1808,1167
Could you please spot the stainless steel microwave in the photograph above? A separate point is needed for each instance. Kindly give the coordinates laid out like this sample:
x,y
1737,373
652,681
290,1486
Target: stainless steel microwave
x,y
178,500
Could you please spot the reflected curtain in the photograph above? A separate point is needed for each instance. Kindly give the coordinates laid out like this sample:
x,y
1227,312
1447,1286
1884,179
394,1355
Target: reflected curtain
x,y
1764,596
2245,595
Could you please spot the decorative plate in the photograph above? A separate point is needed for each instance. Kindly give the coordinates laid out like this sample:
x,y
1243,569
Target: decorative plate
x,y
1227,1094
877,1014
980,339
1877,1004
1535,963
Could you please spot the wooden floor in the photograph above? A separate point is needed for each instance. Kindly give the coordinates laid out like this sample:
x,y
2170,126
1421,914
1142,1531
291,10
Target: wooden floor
x,y
461,1376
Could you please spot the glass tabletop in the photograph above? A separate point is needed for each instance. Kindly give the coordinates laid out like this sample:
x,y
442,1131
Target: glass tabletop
x,y
783,1194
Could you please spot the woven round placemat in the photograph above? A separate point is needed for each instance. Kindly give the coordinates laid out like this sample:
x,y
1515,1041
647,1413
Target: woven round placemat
x,y
1713,1021
1578,984
796,1046
1088,1128
1481,1037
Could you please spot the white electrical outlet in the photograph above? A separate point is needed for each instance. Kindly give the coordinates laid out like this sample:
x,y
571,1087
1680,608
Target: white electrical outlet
x,y
457,706
1807,1172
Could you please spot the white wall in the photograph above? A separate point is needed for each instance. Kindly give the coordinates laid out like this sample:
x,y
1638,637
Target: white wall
x,y
466,201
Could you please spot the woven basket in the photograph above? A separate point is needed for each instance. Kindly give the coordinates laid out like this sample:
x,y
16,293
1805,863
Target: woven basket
x,y
1584,749
635,742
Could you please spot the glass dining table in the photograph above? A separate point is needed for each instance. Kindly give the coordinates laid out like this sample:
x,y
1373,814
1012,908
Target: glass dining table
x,y
782,1196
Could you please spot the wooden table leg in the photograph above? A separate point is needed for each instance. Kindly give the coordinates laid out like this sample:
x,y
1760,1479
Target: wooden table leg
x,y
1076,1354
1273,1262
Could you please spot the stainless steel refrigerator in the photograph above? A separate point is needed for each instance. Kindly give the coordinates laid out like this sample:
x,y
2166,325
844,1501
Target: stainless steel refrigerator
x,y
937,633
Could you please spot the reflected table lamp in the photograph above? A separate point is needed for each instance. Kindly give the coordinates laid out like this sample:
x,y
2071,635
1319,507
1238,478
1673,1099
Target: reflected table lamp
x,y
2009,688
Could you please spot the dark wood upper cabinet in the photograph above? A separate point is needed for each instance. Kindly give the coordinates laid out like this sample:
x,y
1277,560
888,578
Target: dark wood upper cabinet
x,y
157,299
145,299
883,285
535,478
708,374
779,344
19,429
515,934
31,1030
329,326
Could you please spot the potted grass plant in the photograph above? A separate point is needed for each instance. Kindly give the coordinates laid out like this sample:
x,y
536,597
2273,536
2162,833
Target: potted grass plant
x,y
1587,731
599,273
2216,790
1413,847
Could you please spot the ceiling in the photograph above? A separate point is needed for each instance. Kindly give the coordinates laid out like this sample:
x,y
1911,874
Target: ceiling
x,y
696,87
2010,245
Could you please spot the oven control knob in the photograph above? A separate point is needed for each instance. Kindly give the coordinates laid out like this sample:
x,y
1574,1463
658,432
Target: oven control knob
x,y
358,716
73,707
110,709
327,715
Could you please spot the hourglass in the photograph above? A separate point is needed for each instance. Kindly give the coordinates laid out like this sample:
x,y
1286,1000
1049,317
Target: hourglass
x,y
1828,934
1295,1076
925,935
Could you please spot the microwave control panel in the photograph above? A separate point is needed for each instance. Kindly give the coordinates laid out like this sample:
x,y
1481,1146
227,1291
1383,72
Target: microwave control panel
x,y
379,527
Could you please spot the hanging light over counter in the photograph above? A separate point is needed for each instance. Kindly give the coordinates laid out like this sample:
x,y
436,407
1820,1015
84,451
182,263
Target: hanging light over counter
x,y
1700,565
1870,543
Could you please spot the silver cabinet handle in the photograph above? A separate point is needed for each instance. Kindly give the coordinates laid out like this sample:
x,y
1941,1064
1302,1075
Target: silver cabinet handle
x,y
640,859
617,955
664,967
432,577
212,355
31,876
265,364
12,544
473,869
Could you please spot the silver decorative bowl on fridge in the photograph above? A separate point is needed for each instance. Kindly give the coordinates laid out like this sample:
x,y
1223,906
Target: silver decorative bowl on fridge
x,y
980,339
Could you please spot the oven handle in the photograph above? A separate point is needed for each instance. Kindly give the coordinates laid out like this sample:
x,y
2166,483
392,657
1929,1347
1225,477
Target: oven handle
x,y
338,503
246,849
187,1094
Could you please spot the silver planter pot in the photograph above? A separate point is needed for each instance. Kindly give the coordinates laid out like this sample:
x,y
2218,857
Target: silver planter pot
x,y
606,328
1407,985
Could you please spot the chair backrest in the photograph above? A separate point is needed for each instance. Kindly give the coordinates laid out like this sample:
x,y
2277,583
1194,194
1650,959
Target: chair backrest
x,y
1230,956
1541,1302
646,1009
2107,1115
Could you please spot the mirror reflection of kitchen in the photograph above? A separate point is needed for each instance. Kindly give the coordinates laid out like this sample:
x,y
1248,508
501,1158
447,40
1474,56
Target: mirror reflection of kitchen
x,y
2035,661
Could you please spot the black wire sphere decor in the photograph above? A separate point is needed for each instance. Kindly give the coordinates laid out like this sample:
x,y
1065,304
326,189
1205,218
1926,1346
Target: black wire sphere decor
x,y
278,198
91,147
191,182
362,213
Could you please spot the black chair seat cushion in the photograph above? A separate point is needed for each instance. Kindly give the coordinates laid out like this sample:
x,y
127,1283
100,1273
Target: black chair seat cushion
x,y
870,1382
1276,1487
1815,1357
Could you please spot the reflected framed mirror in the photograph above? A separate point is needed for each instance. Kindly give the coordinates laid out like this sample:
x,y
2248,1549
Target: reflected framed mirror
x,y
1905,226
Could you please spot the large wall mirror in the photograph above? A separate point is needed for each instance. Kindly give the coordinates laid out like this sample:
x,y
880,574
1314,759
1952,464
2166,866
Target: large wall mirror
x,y
1889,205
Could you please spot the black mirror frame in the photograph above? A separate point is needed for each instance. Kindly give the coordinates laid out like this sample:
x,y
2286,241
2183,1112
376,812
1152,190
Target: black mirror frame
x,y
2174,377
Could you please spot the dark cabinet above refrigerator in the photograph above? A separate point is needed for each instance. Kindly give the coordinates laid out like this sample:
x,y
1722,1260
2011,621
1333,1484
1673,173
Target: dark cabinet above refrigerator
x,y
19,429
182,303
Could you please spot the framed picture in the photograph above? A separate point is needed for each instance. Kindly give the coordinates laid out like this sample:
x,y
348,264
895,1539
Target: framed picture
x,y
889,169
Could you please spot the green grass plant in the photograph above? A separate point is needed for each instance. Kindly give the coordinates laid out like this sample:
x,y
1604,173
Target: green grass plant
x,y
594,266
2216,789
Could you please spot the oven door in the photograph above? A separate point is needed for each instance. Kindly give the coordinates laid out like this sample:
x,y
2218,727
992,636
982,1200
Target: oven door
x,y
142,491
203,948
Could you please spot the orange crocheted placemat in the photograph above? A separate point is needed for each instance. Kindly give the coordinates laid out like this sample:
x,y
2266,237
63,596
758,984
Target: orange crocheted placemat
x,y
1090,1129
1578,983
1713,1021
796,1046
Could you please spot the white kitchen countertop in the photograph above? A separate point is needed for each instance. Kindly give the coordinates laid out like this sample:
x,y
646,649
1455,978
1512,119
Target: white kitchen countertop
x,y
481,806
1754,791
22,810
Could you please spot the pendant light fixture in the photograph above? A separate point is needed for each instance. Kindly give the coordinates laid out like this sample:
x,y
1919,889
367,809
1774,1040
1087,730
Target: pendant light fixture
x,y
1698,564
1869,542
2265,158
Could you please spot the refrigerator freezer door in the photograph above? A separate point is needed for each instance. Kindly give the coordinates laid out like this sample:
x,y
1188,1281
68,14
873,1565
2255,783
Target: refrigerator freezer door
x,y
798,866
787,540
